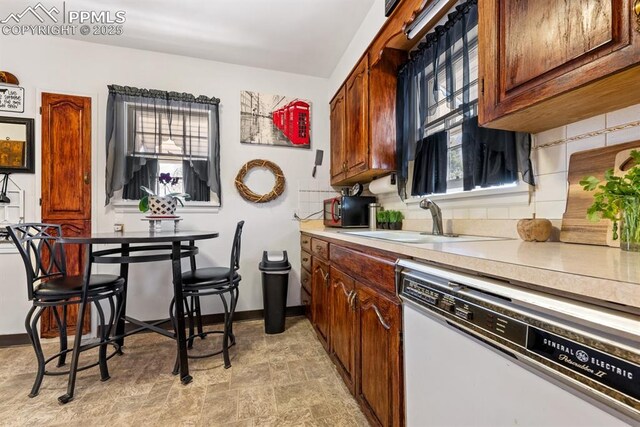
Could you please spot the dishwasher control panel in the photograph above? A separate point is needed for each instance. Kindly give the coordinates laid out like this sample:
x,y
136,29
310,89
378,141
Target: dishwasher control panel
x,y
438,298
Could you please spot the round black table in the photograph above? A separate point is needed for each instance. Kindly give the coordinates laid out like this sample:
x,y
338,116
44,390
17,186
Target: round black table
x,y
153,246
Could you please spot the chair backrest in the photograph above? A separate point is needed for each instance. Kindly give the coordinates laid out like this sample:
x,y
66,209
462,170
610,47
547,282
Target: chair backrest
x,y
235,249
43,255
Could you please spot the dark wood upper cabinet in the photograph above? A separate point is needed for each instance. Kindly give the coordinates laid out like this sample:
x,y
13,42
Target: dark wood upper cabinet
x,y
357,142
338,137
546,63
363,124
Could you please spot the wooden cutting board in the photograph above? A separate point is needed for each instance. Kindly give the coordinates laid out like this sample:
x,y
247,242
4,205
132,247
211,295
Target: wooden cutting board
x,y
576,228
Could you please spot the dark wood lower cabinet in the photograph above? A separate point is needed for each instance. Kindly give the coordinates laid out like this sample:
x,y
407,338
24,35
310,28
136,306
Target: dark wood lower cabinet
x,y
380,357
343,325
320,299
359,322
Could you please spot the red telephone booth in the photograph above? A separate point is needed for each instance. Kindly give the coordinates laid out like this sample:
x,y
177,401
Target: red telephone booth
x,y
298,125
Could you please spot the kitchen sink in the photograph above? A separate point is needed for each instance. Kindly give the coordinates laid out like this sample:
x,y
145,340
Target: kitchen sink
x,y
416,236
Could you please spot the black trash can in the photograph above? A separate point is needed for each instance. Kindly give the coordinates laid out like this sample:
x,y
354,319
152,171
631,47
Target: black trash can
x,y
275,269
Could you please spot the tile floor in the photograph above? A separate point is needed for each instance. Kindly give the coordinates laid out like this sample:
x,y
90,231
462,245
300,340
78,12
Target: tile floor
x,y
275,380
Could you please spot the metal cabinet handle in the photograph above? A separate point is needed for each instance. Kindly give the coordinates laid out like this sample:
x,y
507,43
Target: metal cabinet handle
x,y
305,259
636,12
86,177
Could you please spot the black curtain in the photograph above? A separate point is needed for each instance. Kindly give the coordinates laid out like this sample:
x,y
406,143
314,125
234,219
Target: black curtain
x,y
420,87
144,172
430,167
493,157
194,175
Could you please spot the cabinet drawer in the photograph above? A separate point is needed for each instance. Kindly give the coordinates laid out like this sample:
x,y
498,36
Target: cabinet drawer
x,y
320,248
305,259
372,269
305,280
305,243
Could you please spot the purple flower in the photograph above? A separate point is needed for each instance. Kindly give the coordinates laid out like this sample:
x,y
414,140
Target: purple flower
x,y
165,178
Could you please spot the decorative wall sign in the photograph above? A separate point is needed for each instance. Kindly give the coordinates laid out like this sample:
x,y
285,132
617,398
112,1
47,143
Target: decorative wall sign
x,y
274,120
251,196
11,99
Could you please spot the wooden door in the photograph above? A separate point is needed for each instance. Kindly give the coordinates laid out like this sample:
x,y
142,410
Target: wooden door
x,y
320,299
533,51
338,135
343,324
357,119
66,184
379,371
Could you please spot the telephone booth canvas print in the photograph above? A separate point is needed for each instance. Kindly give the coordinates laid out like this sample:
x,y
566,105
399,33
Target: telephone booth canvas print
x,y
274,120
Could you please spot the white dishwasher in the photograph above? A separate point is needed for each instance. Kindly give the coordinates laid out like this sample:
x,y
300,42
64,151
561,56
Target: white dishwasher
x,y
481,352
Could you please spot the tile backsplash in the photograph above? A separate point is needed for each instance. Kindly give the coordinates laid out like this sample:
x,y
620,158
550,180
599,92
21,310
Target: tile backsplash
x,y
550,156
311,194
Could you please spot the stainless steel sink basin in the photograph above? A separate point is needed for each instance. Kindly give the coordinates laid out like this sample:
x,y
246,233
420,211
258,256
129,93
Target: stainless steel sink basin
x,y
415,236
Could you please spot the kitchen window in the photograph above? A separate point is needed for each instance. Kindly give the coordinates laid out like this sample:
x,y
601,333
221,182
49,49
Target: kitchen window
x,y
152,132
441,148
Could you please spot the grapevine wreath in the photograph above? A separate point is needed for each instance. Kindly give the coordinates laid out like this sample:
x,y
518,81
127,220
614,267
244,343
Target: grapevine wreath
x,y
251,196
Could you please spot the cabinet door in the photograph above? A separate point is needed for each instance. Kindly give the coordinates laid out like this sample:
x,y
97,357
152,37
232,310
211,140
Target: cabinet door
x,y
343,325
533,51
379,372
320,299
357,119
338,135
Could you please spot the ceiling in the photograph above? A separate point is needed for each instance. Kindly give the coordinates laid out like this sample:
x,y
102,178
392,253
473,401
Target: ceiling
x,y
298,36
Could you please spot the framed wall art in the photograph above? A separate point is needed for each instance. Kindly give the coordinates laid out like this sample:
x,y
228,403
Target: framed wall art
x,y
16,145
274,120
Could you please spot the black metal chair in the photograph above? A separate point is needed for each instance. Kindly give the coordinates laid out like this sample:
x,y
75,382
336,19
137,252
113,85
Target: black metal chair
x,y
221,281
48,285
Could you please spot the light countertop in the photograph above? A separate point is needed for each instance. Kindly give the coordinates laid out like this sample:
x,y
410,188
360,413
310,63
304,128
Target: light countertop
x,y
603,273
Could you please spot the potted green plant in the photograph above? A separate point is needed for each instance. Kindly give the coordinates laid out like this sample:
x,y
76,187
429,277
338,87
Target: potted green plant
x,y
382,218
617,198
395,220
162,205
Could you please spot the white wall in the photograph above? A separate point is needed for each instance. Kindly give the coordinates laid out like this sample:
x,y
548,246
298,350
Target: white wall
x,y
369,27
80,68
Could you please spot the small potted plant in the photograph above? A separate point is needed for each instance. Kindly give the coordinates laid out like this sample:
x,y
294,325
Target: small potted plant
x,y
162,205
395,220
617,198
382,218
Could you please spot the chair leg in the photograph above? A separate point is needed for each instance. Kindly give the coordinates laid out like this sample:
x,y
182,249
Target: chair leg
x,y
75,356
235,293
102,352
62,328
199,318
172,317
31,323
189,311
225,335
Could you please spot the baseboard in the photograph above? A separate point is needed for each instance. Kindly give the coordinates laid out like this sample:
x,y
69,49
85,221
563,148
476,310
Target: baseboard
x,y
207,319
13,340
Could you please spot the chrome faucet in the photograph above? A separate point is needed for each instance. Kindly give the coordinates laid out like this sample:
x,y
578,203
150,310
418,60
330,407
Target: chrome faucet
x,y
436,215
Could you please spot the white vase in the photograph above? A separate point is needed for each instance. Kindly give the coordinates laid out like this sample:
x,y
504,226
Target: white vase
x,y
165,205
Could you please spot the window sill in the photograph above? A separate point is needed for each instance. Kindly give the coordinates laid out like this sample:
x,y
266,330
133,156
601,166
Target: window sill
x,y
8,248
519,194
131,206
